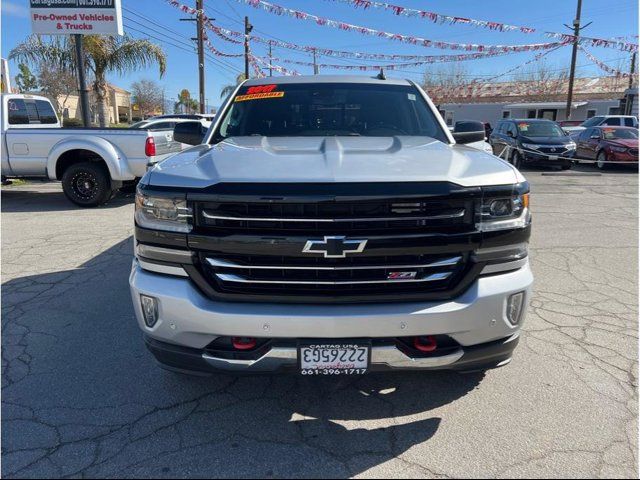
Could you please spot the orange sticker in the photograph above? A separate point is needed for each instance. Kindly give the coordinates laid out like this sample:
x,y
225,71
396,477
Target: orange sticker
x,y
258,96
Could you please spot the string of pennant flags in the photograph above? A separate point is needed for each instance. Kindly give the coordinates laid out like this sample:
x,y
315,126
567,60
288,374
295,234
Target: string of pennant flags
x,y
394,66
410,39
603,66
483,51
322,21
620,43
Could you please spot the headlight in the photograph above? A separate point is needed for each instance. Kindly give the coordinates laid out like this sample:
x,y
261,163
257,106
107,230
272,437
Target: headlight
x,y
618,149
504,213
163,213
570,146
530,146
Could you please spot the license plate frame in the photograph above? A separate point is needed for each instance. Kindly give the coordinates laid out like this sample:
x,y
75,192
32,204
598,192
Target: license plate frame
x,y
323,368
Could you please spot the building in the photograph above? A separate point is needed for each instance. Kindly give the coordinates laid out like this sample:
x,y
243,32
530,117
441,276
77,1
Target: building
x,y
118,102
489,102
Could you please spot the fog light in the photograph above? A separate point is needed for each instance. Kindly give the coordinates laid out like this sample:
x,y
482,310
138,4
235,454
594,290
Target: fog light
x,y
515,307
149,310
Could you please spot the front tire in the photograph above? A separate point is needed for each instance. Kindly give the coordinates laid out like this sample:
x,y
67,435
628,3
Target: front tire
x,y
516,159
601,160
87,184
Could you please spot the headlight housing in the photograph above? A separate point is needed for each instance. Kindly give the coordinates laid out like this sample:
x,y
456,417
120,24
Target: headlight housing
x,y
618,149
504,213
530,146
157,212
570,146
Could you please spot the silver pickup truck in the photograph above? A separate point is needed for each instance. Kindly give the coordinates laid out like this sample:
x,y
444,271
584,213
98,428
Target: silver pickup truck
x,y
92,163
331,226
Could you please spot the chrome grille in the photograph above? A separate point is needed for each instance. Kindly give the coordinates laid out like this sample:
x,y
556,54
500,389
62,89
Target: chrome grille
x,y
264,275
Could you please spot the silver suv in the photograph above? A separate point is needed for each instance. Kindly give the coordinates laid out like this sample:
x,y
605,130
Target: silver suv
x,y
331,225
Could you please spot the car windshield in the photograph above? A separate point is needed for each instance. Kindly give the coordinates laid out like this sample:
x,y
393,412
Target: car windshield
x,y
540,129
329,109
592,122
619,133
139,124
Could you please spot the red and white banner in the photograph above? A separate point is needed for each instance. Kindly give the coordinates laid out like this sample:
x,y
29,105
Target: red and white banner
x,y
413,40
619,43
603,66
396,66
436,17
277,68
410,39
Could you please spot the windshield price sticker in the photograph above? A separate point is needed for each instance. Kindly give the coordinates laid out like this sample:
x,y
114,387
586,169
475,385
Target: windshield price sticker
x,y
523,126
260,92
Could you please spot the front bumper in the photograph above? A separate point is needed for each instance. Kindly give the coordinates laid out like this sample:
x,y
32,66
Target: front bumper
x,y
543,159
284,358
188,321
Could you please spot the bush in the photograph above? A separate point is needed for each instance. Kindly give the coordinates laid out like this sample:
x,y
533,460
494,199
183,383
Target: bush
x,y
72,122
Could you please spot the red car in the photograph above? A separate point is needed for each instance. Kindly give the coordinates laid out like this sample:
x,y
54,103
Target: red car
x,y
608,144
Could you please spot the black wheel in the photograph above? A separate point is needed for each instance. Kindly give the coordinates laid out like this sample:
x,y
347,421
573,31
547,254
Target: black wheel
x,y
87,184
516,159
566,166
601,160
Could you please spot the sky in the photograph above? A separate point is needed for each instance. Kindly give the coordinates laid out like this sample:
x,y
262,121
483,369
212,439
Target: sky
x,y
160,22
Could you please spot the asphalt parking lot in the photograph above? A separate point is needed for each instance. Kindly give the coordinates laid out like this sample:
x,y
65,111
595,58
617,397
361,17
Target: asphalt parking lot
x,y
82,397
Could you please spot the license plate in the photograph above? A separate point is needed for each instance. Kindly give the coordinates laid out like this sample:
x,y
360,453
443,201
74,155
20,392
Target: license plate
x,y
553,157
334,358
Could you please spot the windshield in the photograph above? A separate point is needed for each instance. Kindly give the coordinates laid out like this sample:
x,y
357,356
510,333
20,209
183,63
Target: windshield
x,y
619,133
139,124
329,109
540,129
592,122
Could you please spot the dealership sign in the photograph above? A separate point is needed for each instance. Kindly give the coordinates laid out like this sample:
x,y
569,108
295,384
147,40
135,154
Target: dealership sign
x,y
68,17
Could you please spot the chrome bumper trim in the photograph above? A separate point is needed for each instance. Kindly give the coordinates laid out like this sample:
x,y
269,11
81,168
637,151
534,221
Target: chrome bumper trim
x,y
277,358
219,263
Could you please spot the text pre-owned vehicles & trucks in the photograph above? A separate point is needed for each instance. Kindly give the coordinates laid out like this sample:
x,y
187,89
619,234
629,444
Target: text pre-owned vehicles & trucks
x,y
533,142
331,225
608,144
91,163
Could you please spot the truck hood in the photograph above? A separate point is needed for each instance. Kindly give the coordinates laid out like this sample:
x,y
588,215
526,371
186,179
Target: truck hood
x,y
332,159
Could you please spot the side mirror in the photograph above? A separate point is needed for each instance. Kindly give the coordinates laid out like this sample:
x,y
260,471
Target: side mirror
x,y
191,133
509,133
468,132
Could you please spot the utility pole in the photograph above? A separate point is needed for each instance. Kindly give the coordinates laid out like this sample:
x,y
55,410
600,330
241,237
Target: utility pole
x,y
574,54
271,60
200,24
632,70
247,30
84,93
315,65
200,47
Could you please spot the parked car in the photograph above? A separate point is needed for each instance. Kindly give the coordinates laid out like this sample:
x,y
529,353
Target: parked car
x,y
604,120
608,144
329,225
91,163
533,142
169,122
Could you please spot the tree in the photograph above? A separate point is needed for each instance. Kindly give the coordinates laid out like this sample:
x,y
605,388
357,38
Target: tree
x,y
185,103
540,78
103,54
57,84
148,96
227,89
446,83
25,80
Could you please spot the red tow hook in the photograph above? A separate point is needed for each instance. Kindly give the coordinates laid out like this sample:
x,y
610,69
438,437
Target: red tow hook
x,y
243,343
425,344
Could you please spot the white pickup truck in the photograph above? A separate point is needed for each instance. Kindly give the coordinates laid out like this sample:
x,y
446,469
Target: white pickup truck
x,y
92,163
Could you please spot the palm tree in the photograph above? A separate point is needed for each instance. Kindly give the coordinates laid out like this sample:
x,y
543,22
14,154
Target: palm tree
x,y
103,54
227,89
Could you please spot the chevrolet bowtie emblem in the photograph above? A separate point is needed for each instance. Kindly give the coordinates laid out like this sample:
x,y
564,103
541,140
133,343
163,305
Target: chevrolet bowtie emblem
x,y
334,247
